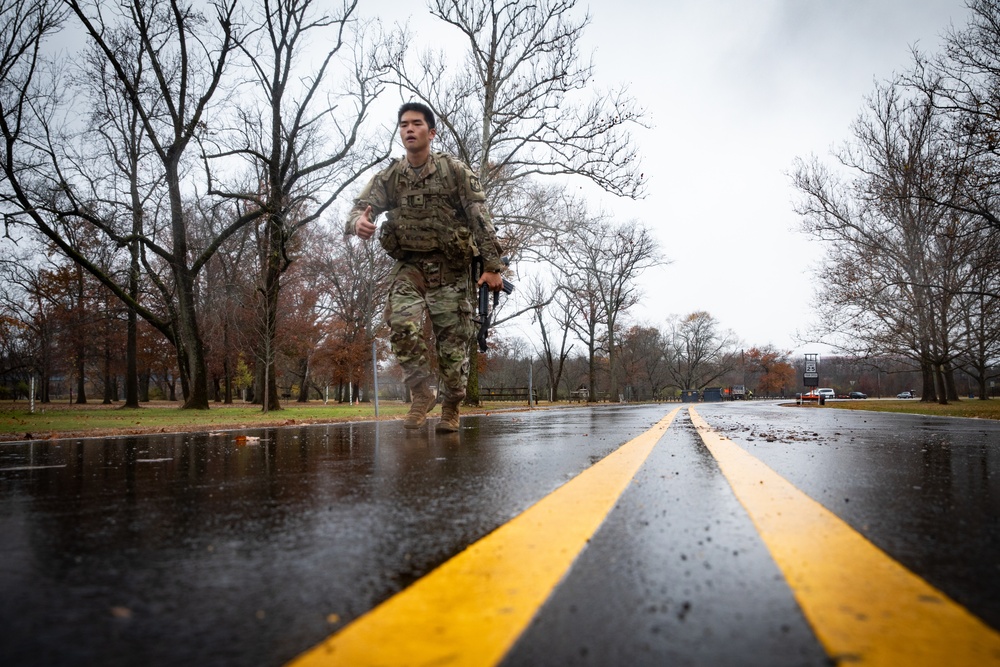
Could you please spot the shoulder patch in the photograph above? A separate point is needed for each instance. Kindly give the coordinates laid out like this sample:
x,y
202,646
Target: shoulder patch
x,y
475,184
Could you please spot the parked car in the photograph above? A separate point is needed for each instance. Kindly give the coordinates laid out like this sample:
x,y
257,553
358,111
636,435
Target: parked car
x,y
905,394
826,393
858,394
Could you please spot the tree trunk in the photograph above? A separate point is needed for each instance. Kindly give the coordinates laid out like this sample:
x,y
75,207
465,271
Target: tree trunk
x,y
194,372
272,285
144,379
929,391
131,359
45,373
472,386
182,365
939,384
81,391
79,336
194,378
949,383
591,375
227,375
132,328
304,385
109,389
611,364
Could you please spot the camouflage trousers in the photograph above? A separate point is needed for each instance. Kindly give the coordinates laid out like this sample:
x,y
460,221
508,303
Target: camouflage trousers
x,y
420,287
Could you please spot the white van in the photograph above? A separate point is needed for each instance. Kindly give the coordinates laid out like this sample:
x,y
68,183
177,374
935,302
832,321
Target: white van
x,y
826,393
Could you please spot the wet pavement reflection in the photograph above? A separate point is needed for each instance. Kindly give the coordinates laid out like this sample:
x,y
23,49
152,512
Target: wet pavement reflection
x,y
224,550
677,575
924,489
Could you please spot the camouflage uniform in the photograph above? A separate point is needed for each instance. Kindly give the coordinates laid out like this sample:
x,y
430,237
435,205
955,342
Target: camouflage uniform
x,y
437,220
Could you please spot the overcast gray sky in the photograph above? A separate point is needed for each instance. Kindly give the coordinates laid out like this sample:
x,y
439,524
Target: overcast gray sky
x,y
735,90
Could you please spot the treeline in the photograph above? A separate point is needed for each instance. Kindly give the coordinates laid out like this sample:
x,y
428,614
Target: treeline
x,y
909,213
70,331
654,363
173,192
173,188
883,377
175,130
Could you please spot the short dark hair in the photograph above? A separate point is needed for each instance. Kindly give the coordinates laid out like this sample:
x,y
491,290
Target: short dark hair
x,y
418,107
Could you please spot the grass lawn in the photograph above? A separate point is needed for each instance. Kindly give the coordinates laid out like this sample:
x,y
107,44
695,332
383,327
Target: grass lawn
x,y
65,420
988,409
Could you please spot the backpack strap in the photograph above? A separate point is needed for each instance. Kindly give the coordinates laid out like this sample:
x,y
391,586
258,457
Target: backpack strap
x,y
443,162
390,177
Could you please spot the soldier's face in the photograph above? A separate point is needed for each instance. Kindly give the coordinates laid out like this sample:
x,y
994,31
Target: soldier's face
x,y
414,132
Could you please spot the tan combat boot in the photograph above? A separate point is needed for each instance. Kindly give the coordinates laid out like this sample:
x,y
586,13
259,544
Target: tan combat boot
x,y
449,417
422,399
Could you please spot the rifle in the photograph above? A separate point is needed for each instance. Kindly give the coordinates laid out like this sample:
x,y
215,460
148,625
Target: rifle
x,y
484,299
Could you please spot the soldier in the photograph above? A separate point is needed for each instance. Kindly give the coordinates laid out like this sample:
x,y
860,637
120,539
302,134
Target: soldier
x,y
436,221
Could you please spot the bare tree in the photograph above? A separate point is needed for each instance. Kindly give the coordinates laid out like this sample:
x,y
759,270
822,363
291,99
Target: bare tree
x,y
29,300
621,252
118,171
25,26
963,84
608,257
165,69
897,258
224,298
523,105
186,54
698,353
302,142
556,348
354,280
588,328
979,308
514,108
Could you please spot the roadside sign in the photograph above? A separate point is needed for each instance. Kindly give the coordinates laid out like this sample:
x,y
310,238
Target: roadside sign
x,y
810,378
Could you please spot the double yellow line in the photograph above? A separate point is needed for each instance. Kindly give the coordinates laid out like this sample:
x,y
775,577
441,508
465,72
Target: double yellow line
x,y
863,606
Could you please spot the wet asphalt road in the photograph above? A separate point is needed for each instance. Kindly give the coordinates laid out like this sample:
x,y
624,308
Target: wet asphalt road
x,y
193,548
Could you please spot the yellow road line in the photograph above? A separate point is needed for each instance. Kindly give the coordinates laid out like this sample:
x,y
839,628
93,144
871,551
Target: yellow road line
x,y
864,607
472,609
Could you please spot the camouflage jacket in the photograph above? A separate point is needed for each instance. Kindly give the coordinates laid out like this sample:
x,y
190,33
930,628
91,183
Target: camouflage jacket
x,y
440,208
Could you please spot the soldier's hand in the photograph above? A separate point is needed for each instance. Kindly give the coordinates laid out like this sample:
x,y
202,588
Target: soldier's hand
x,y
492,279
364,227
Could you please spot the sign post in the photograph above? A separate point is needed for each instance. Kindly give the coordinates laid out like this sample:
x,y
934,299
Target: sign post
x,y
810,378
375,377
